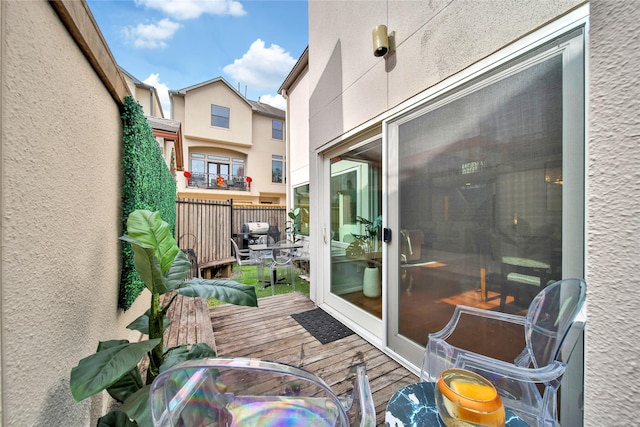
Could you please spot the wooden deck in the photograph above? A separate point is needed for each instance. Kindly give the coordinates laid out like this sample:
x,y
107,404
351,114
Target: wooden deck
x,y
269,332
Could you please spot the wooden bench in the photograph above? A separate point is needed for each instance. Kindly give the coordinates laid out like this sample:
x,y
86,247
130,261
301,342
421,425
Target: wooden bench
x,y
190,322
217,268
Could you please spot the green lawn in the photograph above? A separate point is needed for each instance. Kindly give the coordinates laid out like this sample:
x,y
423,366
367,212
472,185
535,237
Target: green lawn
x,y
248,277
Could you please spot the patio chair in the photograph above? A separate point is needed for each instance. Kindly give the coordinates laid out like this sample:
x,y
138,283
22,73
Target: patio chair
x,y
302,257
263,258
240,253
249,392
552,326
283,255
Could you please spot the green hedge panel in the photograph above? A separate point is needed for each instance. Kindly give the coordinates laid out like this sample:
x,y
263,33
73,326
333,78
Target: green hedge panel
x,y
147,184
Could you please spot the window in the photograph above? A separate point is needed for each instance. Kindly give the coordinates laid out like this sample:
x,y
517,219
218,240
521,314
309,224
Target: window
x,y
216,171
301,200
219,116
237,167
277,168
277,129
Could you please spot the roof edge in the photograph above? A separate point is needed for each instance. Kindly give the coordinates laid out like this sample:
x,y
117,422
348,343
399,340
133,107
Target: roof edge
x,y
295,72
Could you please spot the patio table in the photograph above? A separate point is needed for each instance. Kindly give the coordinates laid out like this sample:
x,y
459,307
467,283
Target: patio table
x,y
256,249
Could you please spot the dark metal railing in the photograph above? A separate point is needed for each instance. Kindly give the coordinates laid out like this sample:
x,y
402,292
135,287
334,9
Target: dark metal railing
x,y
214,181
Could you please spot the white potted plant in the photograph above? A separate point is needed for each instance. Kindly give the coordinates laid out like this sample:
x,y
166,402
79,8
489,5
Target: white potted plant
x,y
366,246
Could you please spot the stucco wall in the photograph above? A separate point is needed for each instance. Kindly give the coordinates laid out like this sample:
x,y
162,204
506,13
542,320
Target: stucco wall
x,y
434,39
197,121
298,123
61,138
612,381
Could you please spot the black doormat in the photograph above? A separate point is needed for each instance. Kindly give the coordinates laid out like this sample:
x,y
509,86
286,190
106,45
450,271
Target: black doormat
x,y
322,325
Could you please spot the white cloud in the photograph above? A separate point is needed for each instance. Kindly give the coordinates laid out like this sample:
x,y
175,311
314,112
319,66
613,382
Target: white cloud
x,y
261,68
190,9
163,93
275,101
152,36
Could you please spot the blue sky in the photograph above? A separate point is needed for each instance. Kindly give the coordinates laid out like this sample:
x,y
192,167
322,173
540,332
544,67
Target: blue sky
x,y
173,44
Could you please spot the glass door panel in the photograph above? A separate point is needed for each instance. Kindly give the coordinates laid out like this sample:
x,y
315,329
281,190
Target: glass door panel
x,y
356,207
482,204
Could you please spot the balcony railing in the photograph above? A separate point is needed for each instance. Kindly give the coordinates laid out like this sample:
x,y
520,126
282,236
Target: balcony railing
x,y
214,181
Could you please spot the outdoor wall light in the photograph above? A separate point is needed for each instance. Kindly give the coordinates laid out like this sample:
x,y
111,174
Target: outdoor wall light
x,y
382,41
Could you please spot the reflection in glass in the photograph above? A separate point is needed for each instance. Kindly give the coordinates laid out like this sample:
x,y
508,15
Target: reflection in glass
x,y
481,200
301,200
355,188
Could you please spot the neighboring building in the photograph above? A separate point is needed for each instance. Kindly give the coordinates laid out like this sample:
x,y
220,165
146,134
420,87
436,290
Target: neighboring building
x,y
146,95
167,132
489,131
233,148
295,90
61,93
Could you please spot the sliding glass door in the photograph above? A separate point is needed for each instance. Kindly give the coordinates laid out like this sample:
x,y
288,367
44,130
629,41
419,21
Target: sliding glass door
x,y
353,285
486,198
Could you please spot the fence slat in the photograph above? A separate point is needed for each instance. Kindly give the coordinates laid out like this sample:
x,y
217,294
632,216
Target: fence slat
x,y
204,226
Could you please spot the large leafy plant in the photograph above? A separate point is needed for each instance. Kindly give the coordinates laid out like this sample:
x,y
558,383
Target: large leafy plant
x,y
365,245
293,225
163,268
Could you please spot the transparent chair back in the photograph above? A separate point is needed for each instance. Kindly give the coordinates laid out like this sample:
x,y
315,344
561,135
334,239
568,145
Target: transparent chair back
x,y
249,392
552,326
282,260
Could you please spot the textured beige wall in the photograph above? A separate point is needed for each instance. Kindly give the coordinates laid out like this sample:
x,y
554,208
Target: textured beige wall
x,y
198,114
61,137
259,163
612,381
434,39
298,123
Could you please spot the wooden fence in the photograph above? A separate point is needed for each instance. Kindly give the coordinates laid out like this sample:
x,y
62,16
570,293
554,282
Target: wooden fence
x,y
204,227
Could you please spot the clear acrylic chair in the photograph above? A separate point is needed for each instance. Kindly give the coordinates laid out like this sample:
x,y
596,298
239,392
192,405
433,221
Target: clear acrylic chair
x,y
243,256
283,255
249,392
552,326
263,258
241,259
302,257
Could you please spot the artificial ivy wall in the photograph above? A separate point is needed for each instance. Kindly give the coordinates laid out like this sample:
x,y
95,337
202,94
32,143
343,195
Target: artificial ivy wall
x,y
147,184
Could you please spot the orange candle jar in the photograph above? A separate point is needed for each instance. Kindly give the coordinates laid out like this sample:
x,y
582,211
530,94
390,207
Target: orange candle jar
x,y
464,398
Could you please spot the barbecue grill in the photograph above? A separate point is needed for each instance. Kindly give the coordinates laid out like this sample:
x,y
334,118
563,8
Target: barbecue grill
x,y
251,232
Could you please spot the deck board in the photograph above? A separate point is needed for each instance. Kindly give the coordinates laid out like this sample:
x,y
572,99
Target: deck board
x,y
269,332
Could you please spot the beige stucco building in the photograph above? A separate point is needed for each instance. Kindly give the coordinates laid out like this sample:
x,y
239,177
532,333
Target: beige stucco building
x,y
232,148
61,190
493,118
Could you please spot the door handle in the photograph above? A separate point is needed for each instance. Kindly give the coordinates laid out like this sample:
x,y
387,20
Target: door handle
x,y
386,235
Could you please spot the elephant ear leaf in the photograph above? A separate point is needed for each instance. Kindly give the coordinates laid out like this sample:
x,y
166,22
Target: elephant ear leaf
x,y
178,271
141,324
147,266
116,419
150,230
137,406
103,369
221,289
